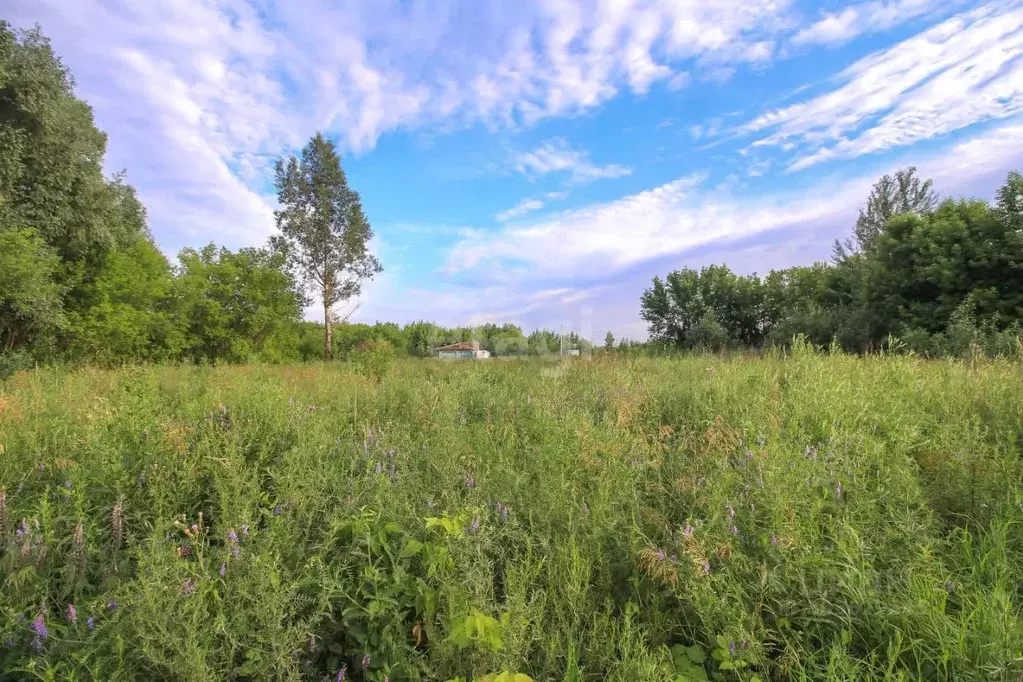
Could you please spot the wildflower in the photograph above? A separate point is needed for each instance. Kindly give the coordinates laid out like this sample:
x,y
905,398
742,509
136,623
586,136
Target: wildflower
x,y
379,468
37,643
277,509
39,625
67,484
474,528
111,606
733,529
232,536
188,587
774,539
223,569
586,509
661,555
71,614
731,648
731,512
838,490
185,551
706,567
365,661
674,558
90,623
470,482
341,674
245,530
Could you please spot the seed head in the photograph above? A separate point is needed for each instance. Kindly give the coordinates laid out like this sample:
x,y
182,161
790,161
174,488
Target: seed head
x,y
78,539
188,587
117,523
71,614
687,531
365,661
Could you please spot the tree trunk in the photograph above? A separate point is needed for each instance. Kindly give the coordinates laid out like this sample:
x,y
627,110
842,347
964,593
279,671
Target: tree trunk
x,y
328,345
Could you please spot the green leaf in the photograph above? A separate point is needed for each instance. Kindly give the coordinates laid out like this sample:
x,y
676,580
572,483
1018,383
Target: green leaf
x,y
412,548
695,654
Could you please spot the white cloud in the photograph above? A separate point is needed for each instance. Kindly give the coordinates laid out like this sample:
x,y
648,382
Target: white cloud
x,y
684,214
558,156
521,208
835,28
961,72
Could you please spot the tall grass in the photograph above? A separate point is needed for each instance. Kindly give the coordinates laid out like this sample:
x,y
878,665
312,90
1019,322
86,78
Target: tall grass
x,y
790,517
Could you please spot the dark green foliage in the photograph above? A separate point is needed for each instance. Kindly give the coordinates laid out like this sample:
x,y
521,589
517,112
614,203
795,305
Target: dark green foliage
x,y
905,279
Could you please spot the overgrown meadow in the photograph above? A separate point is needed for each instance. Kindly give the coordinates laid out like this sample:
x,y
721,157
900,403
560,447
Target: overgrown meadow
x,y
790,517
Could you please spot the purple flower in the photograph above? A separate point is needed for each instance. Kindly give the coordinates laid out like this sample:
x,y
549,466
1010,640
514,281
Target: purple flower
x,y
774,539
188,587
223,569
245,530
37,643
731,648
111,606
470,482
706,567
733,530
674,559
232,536
365,661
474,528
185,551
71,614
39,625
341,674
277,509
688,531
661,555
90,623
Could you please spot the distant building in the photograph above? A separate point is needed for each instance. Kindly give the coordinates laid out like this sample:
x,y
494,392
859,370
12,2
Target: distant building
x,y
574,352
464,350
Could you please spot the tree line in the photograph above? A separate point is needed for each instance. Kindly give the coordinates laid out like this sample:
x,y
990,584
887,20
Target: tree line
x,y
936,277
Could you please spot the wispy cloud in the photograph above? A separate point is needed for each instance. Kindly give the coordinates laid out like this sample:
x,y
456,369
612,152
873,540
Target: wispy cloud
x,y
558,156
687,213
521,208
835,28
963,71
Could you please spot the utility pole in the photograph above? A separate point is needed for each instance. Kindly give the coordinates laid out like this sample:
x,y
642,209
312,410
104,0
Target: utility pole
x,y
561,340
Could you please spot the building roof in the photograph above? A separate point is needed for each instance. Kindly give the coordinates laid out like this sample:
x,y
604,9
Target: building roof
x,y
461,345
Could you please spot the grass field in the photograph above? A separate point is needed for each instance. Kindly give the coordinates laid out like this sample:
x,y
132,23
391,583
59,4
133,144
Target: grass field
x,y
800,517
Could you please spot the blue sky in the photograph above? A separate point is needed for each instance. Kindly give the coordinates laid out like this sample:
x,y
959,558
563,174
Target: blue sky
x,y
540,161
